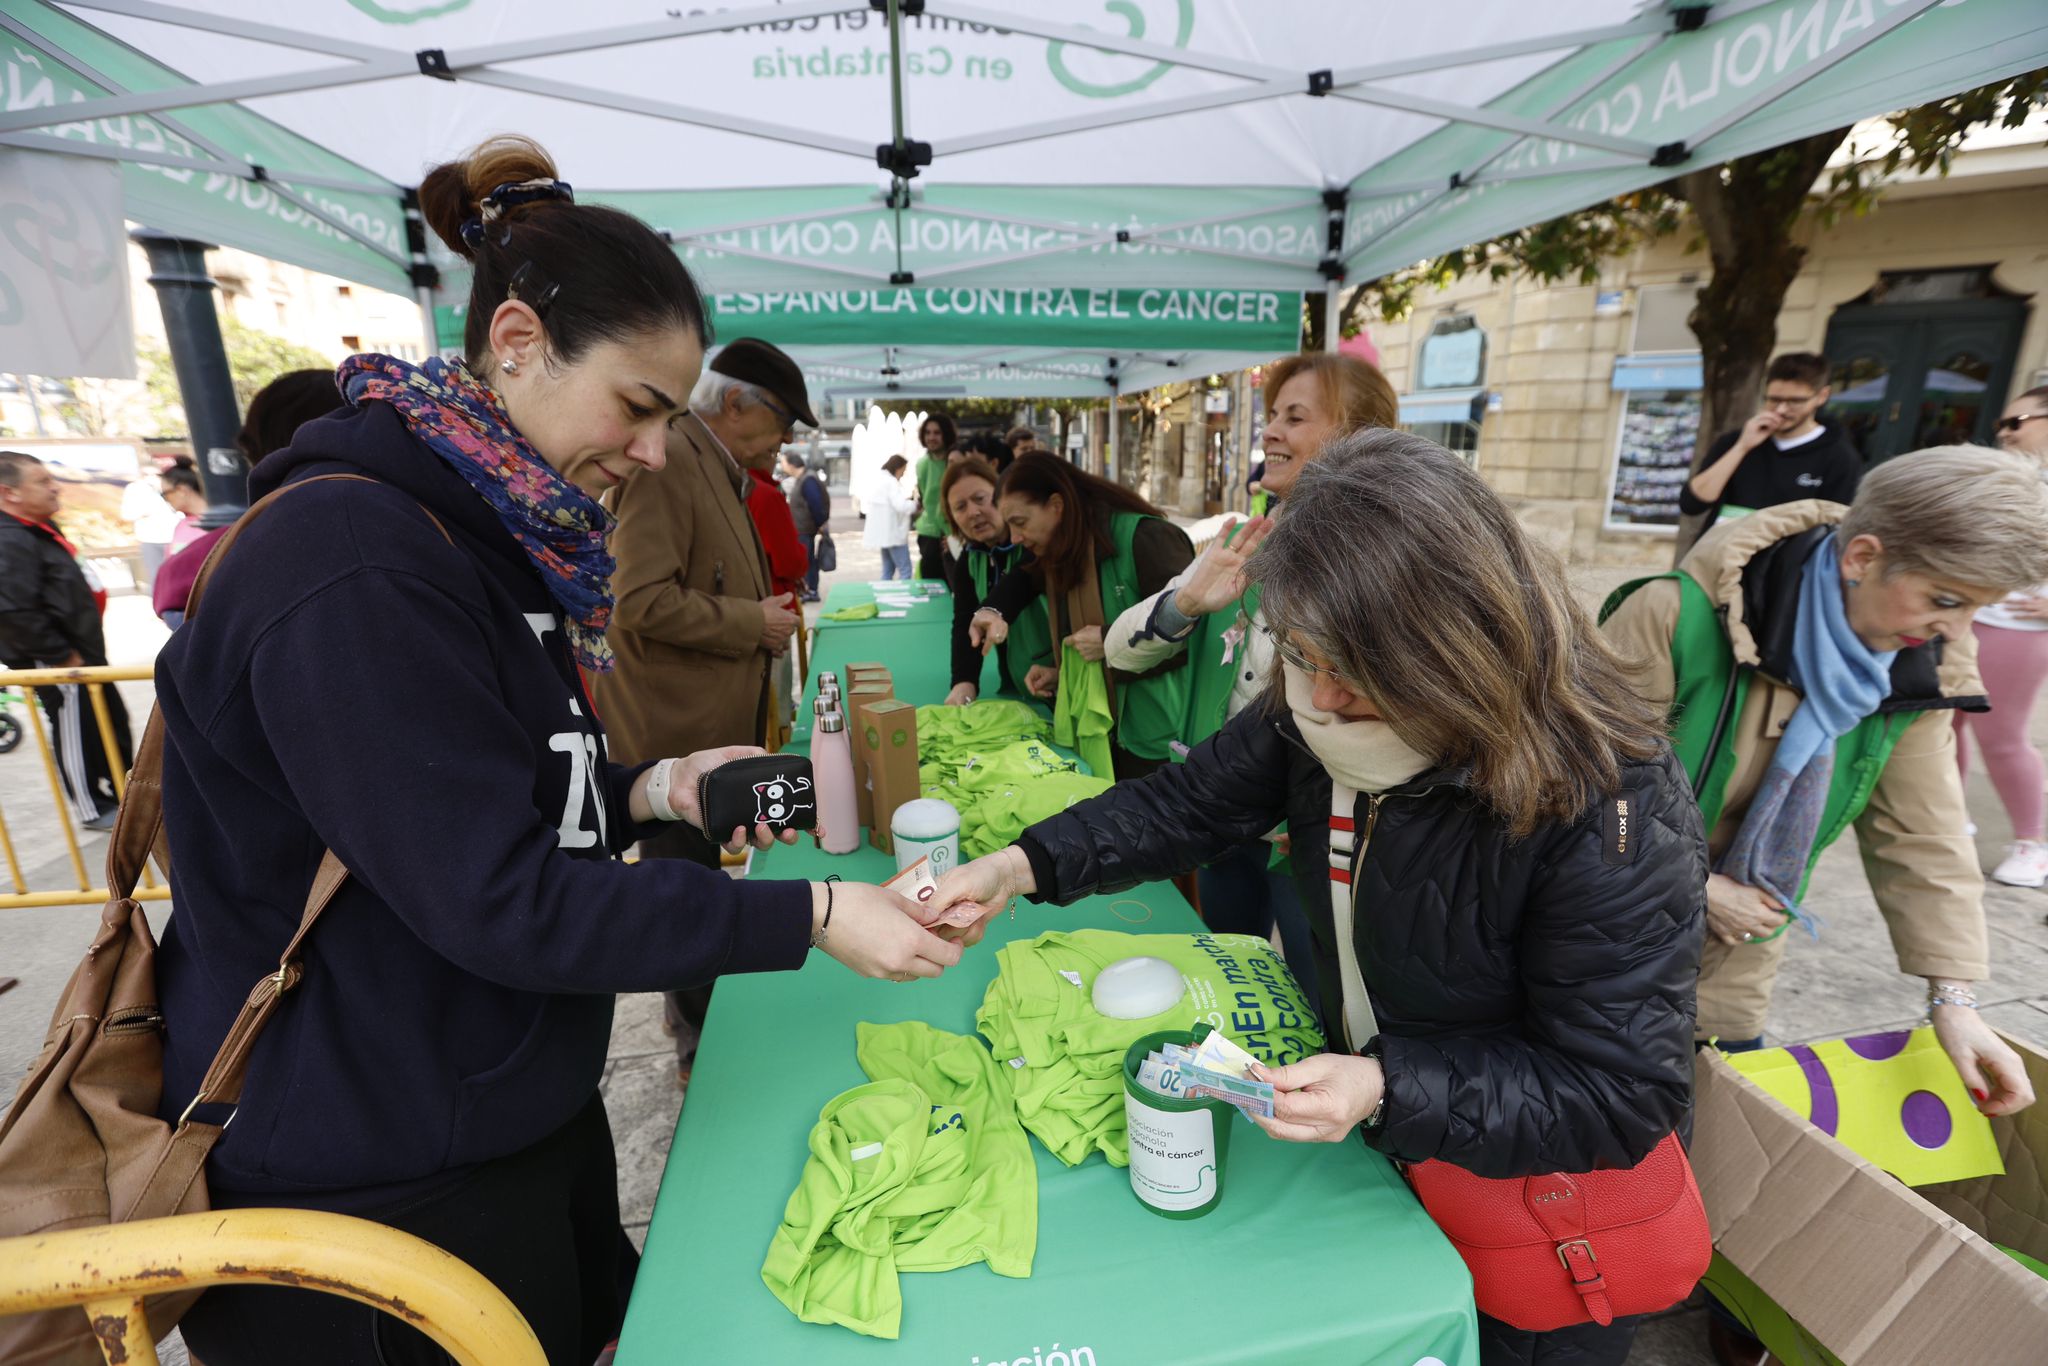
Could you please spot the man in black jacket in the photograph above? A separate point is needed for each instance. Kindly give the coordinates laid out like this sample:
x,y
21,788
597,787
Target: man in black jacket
x,y
810,506
50,619
1785,454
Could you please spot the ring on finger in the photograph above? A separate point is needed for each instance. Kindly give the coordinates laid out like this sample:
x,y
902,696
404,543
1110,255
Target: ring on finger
x,y
1747,936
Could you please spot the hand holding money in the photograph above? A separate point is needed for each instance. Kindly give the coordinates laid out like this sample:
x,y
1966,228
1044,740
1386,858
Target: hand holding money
x,y
1321,1099
1214,1069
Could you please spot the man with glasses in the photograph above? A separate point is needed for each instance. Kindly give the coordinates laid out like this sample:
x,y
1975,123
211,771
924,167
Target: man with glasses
x,y
698,622
1784,454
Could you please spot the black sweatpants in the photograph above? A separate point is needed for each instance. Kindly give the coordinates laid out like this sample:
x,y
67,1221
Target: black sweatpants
x,y
542,1225
81,758
1582,1344
931,558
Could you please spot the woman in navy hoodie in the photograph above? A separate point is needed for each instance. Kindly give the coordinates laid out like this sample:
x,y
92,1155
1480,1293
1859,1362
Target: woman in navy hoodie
x,y
388,669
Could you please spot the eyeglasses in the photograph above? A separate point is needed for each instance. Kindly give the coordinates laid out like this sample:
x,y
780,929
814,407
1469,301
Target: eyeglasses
x,y
1294,657
2013,424
1789,400
784,415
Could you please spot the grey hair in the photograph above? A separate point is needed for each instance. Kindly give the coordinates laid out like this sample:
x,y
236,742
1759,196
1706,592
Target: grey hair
x,y
1412,577
712,387
14,464
1966,515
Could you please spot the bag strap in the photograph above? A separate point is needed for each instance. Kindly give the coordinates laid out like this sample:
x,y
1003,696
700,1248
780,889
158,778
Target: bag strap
x,y
1559,1208
137,829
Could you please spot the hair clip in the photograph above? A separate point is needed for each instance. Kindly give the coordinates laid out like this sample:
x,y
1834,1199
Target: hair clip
x,y
532,287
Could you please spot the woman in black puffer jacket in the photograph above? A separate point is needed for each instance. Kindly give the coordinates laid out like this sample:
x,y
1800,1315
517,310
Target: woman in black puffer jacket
x,y
1451,741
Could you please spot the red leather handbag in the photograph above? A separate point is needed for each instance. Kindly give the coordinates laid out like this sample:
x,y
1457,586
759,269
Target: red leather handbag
x,y
1550,1251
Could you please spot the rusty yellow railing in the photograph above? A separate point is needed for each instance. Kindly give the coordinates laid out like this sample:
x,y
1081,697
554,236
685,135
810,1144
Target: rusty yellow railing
x,y
106,1271
95,681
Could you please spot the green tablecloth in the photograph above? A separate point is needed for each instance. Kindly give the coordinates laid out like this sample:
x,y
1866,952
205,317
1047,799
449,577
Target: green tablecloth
x,y
1317,1253
936,606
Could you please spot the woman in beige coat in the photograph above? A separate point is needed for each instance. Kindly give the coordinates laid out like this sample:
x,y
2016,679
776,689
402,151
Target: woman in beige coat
x,y
1813,657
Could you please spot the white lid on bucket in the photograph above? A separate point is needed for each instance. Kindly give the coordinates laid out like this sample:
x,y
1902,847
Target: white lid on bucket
x,y
927,818
1137,988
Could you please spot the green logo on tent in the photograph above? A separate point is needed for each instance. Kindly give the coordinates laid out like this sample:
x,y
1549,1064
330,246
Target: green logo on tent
x,y
408,11
1134,21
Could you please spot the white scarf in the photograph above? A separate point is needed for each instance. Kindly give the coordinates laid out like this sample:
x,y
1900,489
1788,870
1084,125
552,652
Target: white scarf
x,y
1359,756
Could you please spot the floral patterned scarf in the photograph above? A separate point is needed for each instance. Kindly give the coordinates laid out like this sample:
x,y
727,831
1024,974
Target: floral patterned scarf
x,y
561,528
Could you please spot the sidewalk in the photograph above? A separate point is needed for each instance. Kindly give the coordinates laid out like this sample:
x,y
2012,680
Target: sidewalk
x,y
1847,983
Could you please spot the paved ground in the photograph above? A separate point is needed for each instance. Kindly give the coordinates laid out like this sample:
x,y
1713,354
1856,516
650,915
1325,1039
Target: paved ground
x,y
1845,984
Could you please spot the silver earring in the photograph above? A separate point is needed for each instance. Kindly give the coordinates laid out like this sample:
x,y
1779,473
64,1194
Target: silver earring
x,y
509,366
1852,582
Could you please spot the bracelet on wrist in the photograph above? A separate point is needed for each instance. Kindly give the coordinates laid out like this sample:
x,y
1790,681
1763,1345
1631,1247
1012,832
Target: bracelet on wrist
x,y
658,780
1964,997
818,935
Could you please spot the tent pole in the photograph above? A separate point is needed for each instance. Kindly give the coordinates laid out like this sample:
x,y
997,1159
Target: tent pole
x,y
1332,301
427,328
177,271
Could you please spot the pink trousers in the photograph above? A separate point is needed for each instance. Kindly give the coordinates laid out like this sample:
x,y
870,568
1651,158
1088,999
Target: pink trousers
x,y
2014,665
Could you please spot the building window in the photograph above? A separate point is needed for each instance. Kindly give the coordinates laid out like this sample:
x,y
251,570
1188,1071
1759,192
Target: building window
x,y
352,344
1453,354
1661,319
343,292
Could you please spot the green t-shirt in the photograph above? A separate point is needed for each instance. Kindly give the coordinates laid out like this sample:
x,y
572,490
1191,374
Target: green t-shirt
x,y
931,519
922,1169
992,760
1080,714
1066,1058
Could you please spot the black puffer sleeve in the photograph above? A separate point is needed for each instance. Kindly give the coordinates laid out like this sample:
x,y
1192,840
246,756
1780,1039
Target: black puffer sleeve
x,y
1601,1068
1232,788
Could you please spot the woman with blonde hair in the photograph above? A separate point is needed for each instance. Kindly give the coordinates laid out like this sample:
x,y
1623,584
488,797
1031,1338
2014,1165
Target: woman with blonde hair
x,y
1210,613
1812,658
1449,741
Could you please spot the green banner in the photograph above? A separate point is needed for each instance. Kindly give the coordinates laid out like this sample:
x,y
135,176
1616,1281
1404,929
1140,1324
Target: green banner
x,y
1179,319
212,206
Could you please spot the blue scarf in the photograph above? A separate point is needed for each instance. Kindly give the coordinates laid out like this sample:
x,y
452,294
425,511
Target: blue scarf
x,y
561,528
1842,682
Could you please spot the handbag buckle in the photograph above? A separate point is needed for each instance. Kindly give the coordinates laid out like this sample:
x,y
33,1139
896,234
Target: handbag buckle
x,y
1566,1262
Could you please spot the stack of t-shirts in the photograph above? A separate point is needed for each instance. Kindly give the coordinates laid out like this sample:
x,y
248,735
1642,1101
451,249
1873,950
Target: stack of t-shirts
x,y
922,1169
993,762
1066,1057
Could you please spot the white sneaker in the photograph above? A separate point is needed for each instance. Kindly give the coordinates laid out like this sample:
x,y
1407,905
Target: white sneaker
x,y
2026,864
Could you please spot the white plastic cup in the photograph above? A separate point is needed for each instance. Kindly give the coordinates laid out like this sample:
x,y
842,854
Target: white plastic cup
x,y
927,828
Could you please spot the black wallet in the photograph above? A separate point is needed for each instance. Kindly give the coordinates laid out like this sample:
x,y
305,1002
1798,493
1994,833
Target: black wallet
x,y
768,789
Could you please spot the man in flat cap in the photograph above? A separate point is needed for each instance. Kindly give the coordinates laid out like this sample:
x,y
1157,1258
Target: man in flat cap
x,y
697,622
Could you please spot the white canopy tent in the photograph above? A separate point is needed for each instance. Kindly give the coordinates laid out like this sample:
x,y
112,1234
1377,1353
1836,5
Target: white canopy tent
x,y
1059,158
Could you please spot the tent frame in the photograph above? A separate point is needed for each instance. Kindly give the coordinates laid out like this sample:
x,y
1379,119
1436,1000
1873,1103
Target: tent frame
x,y
360,63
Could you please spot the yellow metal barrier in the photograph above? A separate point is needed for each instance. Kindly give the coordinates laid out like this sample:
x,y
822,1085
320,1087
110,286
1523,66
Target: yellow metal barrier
x,y
107,1271
95,681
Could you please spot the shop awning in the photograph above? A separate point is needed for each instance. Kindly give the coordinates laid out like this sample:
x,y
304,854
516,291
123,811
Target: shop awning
x,y
1443,405
1677,371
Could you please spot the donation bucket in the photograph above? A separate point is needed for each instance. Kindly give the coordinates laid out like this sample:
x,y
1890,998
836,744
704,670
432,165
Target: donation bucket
x,y
1177,1146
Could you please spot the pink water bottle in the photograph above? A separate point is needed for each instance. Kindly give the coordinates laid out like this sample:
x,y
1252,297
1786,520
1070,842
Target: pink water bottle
x,y
832,767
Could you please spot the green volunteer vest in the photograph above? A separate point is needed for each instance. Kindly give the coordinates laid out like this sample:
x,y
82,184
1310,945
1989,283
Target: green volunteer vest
x,y
1030,639
1149,711
931,519
1707,705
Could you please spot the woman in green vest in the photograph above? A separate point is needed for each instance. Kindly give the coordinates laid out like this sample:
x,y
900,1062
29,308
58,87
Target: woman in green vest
x,y
1210,614
938,436
1096,549
1813,658
987,557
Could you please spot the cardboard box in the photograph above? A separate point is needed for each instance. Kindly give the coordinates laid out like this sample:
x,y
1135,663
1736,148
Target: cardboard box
x,y
890,729
1868,1270
868,673
858,695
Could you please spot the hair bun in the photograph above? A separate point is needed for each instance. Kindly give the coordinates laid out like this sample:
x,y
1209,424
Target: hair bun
x,y
453,193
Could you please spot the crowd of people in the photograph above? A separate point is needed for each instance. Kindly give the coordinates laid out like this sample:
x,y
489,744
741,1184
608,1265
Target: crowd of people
x,y
561,582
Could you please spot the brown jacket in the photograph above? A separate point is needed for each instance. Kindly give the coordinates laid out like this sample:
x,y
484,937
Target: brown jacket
x,y
691,574
1922,868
